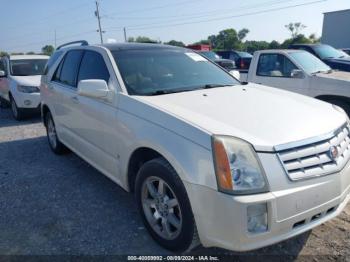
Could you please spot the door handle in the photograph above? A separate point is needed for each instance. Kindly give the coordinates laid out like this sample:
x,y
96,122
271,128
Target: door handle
x,y
75,99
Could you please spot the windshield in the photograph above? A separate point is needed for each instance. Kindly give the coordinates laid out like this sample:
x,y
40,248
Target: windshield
x,y
326,51
310,63
159,71
210,55
27,67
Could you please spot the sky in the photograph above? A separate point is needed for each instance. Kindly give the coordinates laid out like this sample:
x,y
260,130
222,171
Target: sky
x,y
28,25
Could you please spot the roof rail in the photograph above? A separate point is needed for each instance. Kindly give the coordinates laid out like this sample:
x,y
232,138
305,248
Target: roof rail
x,y
82,42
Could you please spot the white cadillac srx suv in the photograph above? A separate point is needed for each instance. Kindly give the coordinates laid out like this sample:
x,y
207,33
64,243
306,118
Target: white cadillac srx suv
x,y
210,160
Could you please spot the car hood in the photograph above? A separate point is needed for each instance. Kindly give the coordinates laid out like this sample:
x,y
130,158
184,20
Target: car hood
x,y
345,60
336,75
27,80
263,116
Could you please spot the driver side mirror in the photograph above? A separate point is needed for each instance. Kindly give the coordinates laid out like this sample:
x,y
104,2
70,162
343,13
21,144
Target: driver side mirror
x,y
296,73
2,73
94,88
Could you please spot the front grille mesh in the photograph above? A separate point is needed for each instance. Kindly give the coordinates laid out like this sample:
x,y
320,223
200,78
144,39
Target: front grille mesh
x,y
315,159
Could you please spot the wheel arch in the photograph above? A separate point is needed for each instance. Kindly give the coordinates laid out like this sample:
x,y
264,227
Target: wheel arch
x,y
137,158
328,98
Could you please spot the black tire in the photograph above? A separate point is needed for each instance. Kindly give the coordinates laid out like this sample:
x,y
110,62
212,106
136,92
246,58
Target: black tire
x,y
344,105
17,112
3,103
187,237
55,144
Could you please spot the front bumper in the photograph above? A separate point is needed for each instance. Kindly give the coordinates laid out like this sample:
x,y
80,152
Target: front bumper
x,y
293,208
28,101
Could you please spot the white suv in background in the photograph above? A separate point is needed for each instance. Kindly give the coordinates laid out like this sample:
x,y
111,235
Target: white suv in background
x,y
209,159
19,83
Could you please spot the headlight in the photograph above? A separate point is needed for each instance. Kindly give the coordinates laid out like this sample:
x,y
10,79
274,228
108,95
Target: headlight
x,y
28,89
341,110
237,167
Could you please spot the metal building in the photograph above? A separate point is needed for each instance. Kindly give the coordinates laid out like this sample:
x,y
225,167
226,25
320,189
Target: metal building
x,y
336,29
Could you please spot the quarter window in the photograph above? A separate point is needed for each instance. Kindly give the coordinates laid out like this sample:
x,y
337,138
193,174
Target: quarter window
x,y
93,66
275,65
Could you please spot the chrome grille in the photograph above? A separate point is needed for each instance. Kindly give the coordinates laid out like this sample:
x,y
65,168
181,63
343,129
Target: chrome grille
x,y
315,159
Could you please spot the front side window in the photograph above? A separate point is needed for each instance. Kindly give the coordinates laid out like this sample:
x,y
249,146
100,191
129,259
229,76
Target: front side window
x,y
27,67
93,66
68,73
156,71
275,65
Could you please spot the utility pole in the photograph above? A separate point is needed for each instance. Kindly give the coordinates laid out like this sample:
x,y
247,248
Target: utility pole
x,y
125,35
97,14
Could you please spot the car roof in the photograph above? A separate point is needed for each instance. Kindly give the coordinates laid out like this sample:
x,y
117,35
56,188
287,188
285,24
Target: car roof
x,y
138,46
310,45
282,51
23,57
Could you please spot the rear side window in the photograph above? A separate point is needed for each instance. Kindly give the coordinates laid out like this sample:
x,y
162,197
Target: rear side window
x,y
93,66
68,74
275,65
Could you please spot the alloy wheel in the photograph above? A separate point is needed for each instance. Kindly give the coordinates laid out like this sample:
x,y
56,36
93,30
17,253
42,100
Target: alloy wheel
x,y
161,208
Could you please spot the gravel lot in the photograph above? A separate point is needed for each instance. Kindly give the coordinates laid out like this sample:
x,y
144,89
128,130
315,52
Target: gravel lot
x,y
60,205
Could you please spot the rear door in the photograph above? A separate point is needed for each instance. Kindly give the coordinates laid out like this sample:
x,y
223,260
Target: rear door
x,y
64,90
275,70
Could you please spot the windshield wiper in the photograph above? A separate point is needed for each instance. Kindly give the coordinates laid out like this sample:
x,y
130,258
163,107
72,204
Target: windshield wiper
x,y
169,91
209,86
323,71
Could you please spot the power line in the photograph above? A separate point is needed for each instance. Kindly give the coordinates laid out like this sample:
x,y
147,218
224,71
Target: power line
x,y
149,26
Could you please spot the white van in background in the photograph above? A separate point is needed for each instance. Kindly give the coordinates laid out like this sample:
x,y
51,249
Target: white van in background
x,y
19,83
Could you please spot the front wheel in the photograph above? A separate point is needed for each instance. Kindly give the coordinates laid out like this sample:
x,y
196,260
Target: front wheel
x,y
164,206
17,112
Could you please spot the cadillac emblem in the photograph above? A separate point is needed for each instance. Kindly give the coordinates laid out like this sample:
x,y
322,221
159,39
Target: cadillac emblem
x,y
333,153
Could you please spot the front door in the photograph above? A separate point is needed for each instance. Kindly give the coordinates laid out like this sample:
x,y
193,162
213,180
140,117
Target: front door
x,y
276,70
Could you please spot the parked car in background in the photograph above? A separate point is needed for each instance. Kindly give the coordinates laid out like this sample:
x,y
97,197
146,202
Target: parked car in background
x,y
346,50
210,160
224,63
335,58
19,83
301,72
241,59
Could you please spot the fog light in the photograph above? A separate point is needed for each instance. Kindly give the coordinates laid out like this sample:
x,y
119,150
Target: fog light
x,y
27,102
257,218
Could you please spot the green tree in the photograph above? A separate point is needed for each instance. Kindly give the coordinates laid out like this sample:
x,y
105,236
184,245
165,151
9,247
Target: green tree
x,y
252,46
299,39
242,34
295,28
145,39
2,53
274,45
17,53
48,50
30,53
142,39
175,43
